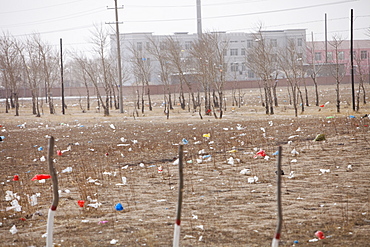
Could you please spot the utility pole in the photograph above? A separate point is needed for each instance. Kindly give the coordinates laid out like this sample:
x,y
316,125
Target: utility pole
x,y
326,39
199,19
352,68
119,67
61,74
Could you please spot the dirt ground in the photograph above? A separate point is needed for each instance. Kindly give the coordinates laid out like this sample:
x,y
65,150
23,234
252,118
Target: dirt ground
x,y
325,186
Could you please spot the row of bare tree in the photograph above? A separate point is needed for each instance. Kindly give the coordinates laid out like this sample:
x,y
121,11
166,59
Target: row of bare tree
x,y
35,64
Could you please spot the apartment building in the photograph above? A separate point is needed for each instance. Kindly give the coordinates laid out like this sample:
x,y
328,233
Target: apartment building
x,y
339,52
235,54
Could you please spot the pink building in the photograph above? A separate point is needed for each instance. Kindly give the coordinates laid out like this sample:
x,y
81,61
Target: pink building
x,y
339,52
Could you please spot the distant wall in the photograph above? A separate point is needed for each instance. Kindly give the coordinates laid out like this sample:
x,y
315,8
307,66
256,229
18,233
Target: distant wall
x,y
129,91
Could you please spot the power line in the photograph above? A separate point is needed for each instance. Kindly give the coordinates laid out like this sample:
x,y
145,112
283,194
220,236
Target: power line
x,y
45,7
249,14
66,17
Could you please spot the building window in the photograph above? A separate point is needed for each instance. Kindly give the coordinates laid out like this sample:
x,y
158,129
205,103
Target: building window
x,y
363,54
249,43
250,74
242,52
317,56
234,67
233,52
139,46
188,45
273,42
329,56
341,55
244,67
233,41
274,58
300,55
299,42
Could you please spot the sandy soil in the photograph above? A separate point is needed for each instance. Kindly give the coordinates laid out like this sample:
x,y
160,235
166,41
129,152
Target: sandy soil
x,y
325,185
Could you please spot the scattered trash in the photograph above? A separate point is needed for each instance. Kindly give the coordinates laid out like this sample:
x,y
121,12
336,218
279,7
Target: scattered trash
x,y
119,207
13,230
81,203
59,153
276,153
324,170
230,161
15,178
94,205
245,171
320,235
112,126
40,148
207,135
313,240
294,152
295,242
253,179
260,153
103,222
351,116
184,141
160,169
43,159
142,165
40,177
85,221
176,162
200,227
68,169
124,181
33,200
320,137
291,174
113,241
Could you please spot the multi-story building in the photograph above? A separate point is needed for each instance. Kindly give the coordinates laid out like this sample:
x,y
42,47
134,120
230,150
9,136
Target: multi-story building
x,y
339,52
235,54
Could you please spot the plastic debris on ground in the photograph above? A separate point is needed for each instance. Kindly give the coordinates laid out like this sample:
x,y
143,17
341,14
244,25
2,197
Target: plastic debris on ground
x,y
124,181
245,171
13,230
252,180
40,177
324,171
260,153
230,161
320,137
294,152
68,169
119,207
113,241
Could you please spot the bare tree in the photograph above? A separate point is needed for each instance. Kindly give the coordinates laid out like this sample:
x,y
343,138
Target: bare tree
x,y
161,55
314,70
262,60
361,71
209,50
337,70
102,66
181,61
10,66
142,70
290,64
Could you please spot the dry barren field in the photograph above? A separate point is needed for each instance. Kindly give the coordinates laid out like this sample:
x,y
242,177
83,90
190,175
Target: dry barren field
x,y
229,194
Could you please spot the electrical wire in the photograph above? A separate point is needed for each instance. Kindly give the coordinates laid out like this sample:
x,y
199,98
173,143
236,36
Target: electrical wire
x,y
45,7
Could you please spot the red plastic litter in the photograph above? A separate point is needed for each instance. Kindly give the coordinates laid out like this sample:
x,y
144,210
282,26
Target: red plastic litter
x,y
22,219
322,105
319,235
59,153
16,178
261,153
41,176
81,203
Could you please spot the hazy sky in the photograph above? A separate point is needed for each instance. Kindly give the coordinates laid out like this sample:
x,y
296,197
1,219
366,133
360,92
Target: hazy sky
x,y
73,20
